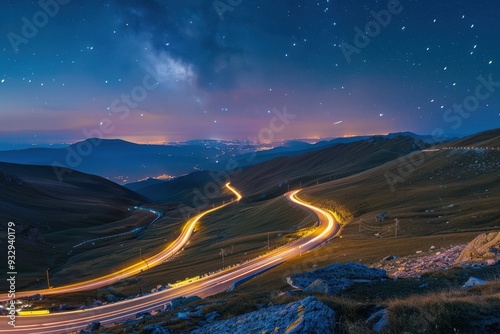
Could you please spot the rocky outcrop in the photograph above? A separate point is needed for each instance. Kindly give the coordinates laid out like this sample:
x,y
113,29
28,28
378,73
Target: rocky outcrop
x,y
304,316
181,301
332,279
414,266
318,286
92,327
379,320
484,247
473,281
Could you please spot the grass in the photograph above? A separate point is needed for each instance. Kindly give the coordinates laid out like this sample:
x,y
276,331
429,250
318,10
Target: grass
x,y
237,305
445,312
448,193
272,178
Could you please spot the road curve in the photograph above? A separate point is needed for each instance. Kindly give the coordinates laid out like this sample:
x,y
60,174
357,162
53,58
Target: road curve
x,y
158,217
117,312
131,270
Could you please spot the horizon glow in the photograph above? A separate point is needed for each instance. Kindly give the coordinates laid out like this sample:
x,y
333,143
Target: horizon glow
x,y
167,71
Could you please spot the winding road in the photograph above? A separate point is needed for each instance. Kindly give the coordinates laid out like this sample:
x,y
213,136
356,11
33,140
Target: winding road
x,y
131,270
117,312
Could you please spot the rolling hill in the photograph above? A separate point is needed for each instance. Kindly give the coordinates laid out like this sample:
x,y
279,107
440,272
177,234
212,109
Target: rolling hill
x,y
453,189
52,216
181,189
275,177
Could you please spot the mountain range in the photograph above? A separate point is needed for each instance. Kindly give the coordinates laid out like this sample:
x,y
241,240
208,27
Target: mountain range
x,y
124,162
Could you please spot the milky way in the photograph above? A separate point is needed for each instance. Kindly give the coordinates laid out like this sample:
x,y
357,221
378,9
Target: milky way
x,y
155,71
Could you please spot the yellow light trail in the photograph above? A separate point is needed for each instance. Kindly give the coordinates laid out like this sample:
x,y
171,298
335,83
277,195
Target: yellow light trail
x,y
64,322
238,195
133,269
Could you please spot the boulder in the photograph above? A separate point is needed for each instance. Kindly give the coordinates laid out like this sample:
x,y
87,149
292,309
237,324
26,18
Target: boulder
x,y
484,247
473,281
93,326
210,317
318,286
304,316
379,320
181,301
334,278
111,298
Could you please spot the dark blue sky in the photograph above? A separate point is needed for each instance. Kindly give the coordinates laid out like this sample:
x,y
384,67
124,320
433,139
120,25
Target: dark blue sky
x,y
152,71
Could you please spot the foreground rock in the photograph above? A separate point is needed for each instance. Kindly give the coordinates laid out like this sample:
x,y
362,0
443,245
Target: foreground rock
x,y
305,316
379,320
473,281
332,279
483,248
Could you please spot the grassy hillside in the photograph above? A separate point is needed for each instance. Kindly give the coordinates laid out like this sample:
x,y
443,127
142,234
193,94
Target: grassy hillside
x,y
274,177
51,216
434,192
483,139
186,189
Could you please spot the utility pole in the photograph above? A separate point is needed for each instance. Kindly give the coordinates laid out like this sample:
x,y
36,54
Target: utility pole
x,y
222,253
140,254
48,280
396,228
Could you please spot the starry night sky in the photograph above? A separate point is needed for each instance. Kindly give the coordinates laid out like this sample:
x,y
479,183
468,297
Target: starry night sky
x,y
222,73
